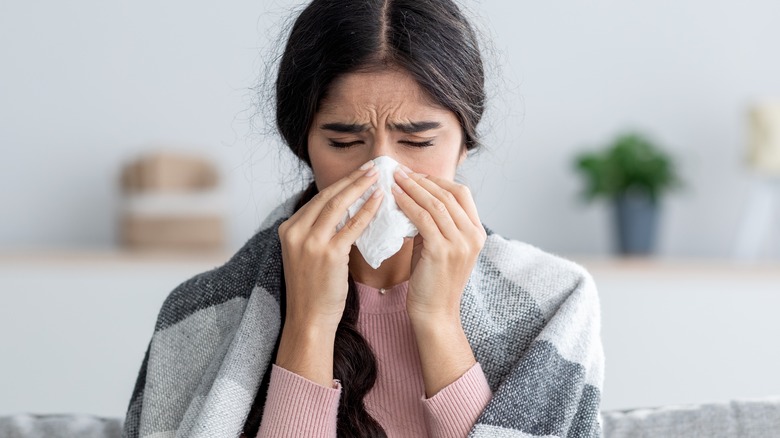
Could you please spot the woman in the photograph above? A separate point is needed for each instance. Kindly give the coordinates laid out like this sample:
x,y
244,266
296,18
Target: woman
x,y
460,332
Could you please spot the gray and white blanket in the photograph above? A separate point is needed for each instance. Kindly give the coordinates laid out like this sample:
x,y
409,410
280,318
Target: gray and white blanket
x,y
532,319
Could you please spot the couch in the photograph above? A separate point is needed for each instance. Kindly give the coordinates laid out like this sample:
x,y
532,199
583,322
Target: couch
x,y
758,418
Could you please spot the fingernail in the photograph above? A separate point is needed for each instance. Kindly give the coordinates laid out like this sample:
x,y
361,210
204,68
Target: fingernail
x,y
377,193
367,165
371,172
402,173
408,170
397,188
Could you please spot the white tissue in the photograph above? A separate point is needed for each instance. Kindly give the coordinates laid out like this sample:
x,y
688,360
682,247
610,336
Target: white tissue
x,y
385,234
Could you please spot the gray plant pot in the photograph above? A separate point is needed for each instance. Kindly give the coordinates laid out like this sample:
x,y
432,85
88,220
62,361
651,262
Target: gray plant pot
x,y
636,222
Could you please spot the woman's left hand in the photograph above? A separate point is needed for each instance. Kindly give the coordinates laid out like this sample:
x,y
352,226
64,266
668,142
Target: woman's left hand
x,y
446,248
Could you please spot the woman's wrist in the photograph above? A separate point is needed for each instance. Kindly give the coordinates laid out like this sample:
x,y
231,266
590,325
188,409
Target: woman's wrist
x,y
424,313
307,350
427,319
445,353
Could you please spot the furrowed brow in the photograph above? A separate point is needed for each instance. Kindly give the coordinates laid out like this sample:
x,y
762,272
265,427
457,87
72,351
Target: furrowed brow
x,y
347,128
415,127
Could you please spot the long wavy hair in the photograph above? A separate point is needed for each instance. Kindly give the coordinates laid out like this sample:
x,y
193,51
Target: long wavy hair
x,y
429,39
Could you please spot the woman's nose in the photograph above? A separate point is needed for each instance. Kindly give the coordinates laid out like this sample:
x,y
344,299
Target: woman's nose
x,y
383,147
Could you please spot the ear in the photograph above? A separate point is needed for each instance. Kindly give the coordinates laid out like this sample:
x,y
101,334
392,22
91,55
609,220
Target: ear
x,y
463,154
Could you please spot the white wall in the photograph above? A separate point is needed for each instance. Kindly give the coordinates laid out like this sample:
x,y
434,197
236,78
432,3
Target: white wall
x,y
685,333
75,333
85,84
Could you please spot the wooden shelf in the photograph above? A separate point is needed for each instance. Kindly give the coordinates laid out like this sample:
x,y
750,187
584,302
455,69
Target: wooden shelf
x,y
682,266
80,256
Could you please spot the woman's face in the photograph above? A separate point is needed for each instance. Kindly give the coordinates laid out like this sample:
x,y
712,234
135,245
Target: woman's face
x,y
369,114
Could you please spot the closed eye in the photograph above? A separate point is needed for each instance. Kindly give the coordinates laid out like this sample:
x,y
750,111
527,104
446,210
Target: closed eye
x,y
419,144
344,145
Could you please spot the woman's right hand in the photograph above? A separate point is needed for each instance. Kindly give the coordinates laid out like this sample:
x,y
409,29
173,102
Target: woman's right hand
x,y
316,270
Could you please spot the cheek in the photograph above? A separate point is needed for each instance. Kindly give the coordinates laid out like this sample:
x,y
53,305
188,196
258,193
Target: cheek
x,y
445,171
443,162
326,165
319,165
437,165
323,171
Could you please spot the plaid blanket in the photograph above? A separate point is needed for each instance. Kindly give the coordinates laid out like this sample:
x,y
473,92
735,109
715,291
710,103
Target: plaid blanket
x,y
531,318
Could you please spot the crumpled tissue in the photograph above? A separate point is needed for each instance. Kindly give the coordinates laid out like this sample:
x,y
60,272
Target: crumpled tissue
x,y
385,234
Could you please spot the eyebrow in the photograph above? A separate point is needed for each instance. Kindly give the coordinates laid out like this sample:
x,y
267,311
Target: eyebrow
x,y
347,128
415,127
407,128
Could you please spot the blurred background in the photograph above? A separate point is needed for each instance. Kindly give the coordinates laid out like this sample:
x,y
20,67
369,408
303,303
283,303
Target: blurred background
x,y
137,151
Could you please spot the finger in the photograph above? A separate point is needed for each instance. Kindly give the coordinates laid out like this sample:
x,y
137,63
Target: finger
x,y
458,214
362,177
462,193
435,208
358,223
335,208
419,216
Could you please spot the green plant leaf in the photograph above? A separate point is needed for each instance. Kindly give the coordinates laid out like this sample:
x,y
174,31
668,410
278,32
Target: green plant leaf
x,y
631,162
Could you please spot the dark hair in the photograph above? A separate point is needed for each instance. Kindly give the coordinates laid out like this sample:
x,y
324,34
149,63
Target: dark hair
x,y
429,39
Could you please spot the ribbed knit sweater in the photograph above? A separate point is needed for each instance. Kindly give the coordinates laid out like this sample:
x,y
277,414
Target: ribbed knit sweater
x,y
297,407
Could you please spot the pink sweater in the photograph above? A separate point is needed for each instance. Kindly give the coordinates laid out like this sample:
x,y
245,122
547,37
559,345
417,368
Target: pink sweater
x,y
298,407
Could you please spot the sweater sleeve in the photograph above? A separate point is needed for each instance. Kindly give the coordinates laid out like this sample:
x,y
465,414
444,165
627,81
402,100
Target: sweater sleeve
x,y
296,407
452,411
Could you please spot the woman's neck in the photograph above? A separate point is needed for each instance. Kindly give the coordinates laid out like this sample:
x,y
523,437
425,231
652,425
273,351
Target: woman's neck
x,y
392,271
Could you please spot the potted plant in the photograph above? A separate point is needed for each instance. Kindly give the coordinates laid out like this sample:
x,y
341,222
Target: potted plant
x,y
633,173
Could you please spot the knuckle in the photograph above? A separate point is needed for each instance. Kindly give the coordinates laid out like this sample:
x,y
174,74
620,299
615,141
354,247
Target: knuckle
x,y
478,246
478,236
439,206
321,195
332,205
463,190
450,198
424,217
283,228
288,233
356,223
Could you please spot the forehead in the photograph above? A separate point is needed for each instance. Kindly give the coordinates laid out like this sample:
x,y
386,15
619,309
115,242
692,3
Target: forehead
x,y
385,93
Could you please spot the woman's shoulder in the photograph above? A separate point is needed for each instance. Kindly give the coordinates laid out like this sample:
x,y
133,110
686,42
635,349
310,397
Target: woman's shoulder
x,y
527,311
519,268
511,255
256,264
